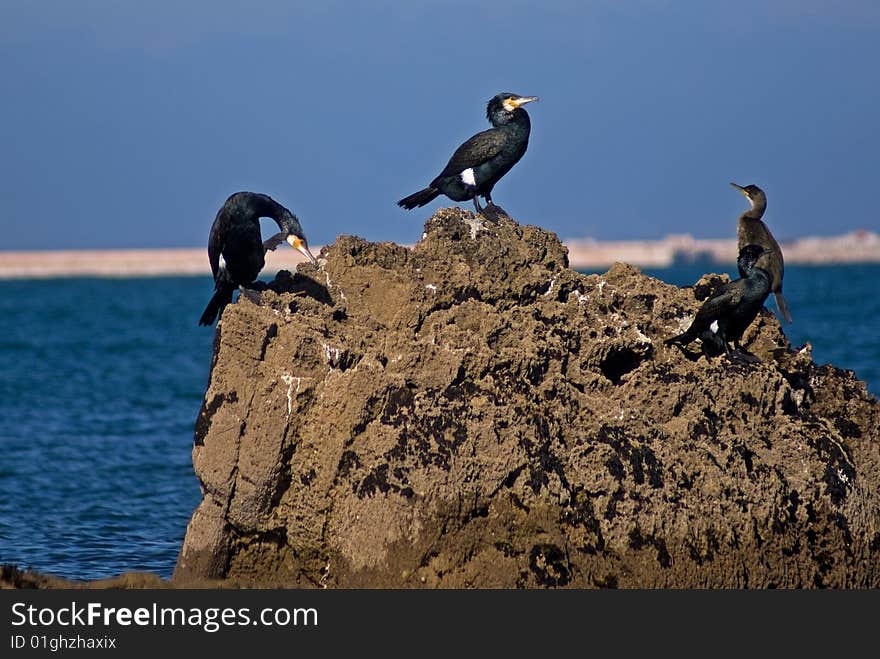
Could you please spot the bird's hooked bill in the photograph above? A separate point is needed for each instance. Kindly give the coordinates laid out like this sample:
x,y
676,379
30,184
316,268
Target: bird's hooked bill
x,y
740,188
300,246
522,100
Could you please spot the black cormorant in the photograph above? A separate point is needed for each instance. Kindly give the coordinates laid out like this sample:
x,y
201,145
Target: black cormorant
x,y
731,309
751,230
478,164
236,249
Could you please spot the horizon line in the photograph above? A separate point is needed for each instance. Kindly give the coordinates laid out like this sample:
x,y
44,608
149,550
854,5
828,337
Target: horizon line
x,y
859,246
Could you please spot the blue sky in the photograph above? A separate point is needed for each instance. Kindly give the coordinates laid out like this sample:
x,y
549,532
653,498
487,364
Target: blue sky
x,y
126,124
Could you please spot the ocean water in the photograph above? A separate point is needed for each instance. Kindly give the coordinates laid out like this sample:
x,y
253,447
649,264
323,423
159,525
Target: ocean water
x,y
101,384
101,381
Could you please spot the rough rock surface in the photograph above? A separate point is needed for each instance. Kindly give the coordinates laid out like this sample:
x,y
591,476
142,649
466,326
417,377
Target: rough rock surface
x,y
473,413
12,577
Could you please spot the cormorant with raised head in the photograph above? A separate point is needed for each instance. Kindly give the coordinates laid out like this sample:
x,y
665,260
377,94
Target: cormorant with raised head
x,y
724,316
751,230
478,164
236,249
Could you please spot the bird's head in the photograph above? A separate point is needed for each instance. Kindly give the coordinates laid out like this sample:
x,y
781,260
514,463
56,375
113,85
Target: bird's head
x,y
295,236
501,107
754,194
300,245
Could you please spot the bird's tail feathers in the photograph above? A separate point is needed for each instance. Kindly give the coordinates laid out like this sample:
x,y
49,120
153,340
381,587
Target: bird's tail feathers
x,y
222,296
419,198
783,306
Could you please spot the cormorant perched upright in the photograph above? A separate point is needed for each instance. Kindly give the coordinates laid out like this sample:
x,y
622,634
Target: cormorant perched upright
x,y
726,315
478,164
751,230
236,249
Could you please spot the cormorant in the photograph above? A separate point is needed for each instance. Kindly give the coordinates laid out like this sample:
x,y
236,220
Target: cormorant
x,y
725,315
751,230
478,164
236,249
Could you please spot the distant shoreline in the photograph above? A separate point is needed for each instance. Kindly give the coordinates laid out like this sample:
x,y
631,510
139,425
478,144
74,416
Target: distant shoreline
x,y
855,247
583,253
123,263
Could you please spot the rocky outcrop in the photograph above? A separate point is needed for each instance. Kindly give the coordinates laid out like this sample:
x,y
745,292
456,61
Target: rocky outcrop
x,y
473,413
14,578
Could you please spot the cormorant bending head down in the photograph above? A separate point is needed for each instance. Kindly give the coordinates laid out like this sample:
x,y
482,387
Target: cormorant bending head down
x,y
479,163
236,250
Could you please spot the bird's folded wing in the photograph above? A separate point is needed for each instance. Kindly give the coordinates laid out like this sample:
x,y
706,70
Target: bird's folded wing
x,y
273,241
724,300
477,150
215,248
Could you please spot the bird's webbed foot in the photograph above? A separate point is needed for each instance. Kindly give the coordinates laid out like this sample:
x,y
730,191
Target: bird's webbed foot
x,y
494,213
744,354
477,204
250,295
686,352
740,356
253,292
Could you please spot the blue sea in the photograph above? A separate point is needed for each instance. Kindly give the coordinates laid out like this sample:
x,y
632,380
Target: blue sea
x,y
101,381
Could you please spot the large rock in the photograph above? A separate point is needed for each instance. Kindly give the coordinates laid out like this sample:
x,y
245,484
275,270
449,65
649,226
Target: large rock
x,y
473,413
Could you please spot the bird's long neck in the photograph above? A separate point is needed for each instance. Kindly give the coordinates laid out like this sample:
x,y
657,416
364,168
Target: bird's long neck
x,y
261,205
761,277
517,120
756,212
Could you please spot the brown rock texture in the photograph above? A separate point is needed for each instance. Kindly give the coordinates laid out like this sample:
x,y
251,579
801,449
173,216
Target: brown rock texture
x,y
472,413
11,578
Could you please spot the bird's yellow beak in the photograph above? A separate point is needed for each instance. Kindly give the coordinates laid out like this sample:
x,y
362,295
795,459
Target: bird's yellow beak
x,y
511,104
300,246
740,188
522,100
